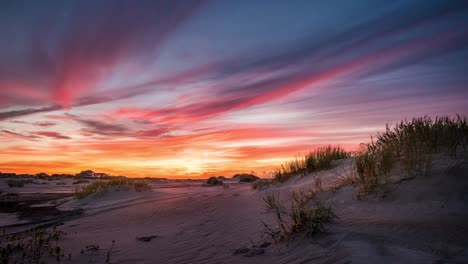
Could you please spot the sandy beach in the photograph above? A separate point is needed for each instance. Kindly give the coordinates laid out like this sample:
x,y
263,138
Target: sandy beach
x,y
417,220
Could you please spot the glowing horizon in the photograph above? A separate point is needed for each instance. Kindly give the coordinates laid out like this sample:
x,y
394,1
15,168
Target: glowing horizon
x,y
193,89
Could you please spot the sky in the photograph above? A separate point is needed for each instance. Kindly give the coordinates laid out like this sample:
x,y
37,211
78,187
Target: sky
x,y
189,89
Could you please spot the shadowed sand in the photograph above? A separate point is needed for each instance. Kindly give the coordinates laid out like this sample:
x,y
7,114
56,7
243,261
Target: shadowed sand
x,y
416,220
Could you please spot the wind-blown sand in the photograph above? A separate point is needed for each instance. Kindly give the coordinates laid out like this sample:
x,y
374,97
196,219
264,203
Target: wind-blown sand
x,y
418,220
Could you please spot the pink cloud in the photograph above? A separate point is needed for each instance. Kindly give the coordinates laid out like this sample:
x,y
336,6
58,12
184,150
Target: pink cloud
x,y
51,134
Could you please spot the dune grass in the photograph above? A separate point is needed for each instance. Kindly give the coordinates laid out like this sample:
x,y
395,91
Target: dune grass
x,y
306,215
318,159
411,144
107,184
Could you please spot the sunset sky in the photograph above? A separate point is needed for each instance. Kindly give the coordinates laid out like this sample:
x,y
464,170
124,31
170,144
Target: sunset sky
x,y
187,89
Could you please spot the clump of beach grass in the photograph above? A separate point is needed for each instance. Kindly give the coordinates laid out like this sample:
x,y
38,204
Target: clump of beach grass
x,y
316,160
306,215
108,184
411,144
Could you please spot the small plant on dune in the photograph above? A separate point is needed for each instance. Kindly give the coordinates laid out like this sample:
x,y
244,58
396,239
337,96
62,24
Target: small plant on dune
x,y
412,144
107,184
318,159
307,215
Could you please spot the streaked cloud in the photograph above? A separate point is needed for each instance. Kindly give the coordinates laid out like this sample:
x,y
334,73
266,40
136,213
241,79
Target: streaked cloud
x,y
192,88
